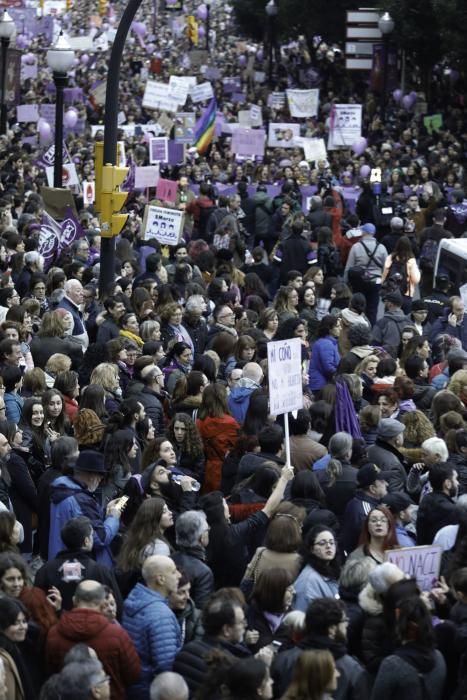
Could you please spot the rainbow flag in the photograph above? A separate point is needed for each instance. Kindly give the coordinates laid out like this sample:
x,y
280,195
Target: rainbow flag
x,y
204,130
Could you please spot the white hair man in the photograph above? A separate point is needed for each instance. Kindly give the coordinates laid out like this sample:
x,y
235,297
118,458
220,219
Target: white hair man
x,y
73,302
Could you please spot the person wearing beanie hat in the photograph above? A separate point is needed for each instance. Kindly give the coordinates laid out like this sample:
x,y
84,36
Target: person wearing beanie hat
x,y
401,507
385,453
387,331
72,496
364,268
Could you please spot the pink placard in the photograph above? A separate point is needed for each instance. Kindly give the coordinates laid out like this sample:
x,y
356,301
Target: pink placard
x,y
166,190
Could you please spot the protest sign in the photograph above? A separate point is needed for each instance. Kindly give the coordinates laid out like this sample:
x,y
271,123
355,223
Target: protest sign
x,y
433,122
47,112
285,376
98,93
146,176
256,115
303,103
211,72
53,7
158,150
201,92
176,153
244,117
276,100
230,85
179,87
260,76
345,125
166,190
69,175
156,96
165,123
89,191
239,97
283,135
248,142
314,149
81,43
165,225
27,113
421,563
185,123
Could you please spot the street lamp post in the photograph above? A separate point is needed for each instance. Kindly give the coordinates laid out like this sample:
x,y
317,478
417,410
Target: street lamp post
x,y
208,18
60,58
386,27
271,11
7,30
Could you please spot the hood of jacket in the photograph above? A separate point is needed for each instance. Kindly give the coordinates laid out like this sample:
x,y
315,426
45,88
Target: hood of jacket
x,y
141,597
261,197
318,641
241,393
63,488
421,658
82,624
397,315
370,601
362,351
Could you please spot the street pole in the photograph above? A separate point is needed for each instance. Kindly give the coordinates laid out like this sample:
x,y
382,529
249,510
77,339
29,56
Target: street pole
x,y
208,11
3,111
386,26
60,81
107,258
271,12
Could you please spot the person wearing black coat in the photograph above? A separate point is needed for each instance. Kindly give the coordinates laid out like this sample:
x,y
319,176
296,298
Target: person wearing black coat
x,y
294,252
192,537
438,508
153,378
43,347
75,564
340,488
23,493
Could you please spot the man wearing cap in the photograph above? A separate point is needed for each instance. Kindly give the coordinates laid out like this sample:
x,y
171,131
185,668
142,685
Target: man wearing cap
x,y
364,268
401,506
453,322
371,489
385,452
396,231
73,496
387,331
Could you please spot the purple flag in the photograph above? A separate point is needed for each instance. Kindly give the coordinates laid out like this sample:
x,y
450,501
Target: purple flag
x,y
70,230
49,239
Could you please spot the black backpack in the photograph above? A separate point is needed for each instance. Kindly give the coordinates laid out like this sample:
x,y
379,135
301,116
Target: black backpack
x,y
428,255
330,261
397,279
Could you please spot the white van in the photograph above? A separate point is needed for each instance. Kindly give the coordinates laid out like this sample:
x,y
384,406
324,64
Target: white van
x,y
451,258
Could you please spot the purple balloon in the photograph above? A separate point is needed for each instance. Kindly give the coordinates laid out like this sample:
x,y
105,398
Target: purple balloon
x,y
242,61
84,59
201,32
22,41
365,170
202,12
397,95
407,102
413,95
139,28
260,55
70,118
359,146
44,129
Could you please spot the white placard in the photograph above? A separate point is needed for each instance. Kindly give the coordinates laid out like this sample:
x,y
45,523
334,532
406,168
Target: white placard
x,y
69,175
89,192
146,176
285,376
165,225
201,93
27,113
101,43
81,43
179,86
156,96
421,563
314,149
345,125
256,115
283,135
303,103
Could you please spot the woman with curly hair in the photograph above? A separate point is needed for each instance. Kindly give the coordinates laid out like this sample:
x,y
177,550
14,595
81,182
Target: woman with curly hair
x,y
185,437
172,328
418,428
458,385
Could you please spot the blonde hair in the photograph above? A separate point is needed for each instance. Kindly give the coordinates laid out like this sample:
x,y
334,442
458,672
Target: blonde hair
x,y
363,364
105,375
58,363
457,381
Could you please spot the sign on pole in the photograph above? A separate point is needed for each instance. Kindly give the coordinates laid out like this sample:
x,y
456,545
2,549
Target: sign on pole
x,y
285,381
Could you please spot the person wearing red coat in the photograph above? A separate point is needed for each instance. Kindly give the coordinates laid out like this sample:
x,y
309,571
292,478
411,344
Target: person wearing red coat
x,y
219,432
87,625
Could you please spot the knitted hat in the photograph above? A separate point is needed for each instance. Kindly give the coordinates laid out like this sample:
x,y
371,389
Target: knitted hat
x,y
87,427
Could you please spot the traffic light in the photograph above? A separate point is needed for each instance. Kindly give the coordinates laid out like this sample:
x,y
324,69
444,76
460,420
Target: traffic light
x,y
192,29
102,8
111,200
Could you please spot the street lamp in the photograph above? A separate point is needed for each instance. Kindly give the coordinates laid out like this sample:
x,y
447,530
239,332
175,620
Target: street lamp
x,y
271,11
7,30
386,27
60,58
208,4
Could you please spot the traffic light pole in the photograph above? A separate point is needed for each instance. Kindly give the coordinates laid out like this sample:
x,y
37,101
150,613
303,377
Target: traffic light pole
x,y
107,259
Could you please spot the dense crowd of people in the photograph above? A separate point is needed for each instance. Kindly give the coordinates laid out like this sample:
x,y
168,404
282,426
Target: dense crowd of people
x,y
154,543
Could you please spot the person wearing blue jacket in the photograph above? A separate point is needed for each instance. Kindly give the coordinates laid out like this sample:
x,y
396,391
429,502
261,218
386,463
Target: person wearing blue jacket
x,y
325,355
150,622
12,381
239,397
73,496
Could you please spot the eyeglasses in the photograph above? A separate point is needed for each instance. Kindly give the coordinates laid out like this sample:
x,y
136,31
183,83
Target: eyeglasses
x,y
106,679
377,521
325,543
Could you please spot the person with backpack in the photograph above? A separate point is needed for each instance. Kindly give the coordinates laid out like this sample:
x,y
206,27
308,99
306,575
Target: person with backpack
x,y
401,272
364,268
430,238
387,331
329,258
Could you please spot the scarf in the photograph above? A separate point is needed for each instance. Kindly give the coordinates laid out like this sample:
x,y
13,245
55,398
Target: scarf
x,y
133,337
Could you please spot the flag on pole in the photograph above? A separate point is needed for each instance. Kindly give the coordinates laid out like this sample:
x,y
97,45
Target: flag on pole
x,y
49,239
204,130
70,230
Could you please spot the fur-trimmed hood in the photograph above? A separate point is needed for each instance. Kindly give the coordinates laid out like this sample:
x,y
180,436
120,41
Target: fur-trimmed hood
x,y
370,601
